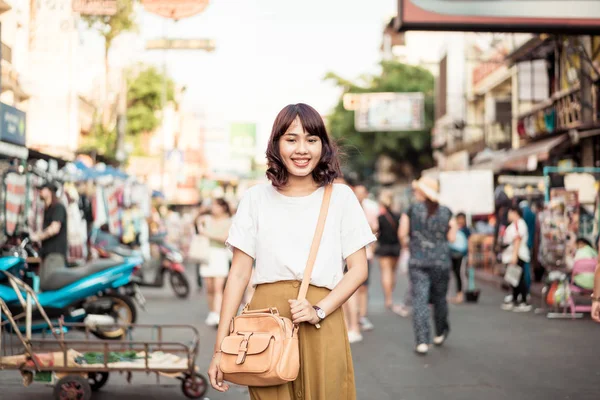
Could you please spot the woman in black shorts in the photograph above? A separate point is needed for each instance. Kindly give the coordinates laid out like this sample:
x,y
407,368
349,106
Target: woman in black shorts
x,y
388,249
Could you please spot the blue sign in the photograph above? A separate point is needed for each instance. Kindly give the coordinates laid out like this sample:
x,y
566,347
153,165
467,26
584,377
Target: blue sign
x,y
12,125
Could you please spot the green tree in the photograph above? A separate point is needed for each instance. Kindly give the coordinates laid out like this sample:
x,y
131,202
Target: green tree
x,y
110,27
144,99
101,141
410,150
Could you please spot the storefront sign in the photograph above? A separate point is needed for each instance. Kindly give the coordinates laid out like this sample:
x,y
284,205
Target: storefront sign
x,y
180,44
392,112
95,7
242,139
12,125
175,9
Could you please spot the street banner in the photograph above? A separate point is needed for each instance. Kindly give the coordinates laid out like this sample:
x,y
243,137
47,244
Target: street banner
x,y
95,7
175,9
180,44
242,139
470,192
387,111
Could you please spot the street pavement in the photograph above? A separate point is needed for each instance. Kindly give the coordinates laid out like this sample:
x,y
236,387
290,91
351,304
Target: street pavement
x,y
490,354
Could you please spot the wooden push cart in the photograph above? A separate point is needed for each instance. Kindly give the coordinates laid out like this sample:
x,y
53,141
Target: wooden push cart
x,y
77,367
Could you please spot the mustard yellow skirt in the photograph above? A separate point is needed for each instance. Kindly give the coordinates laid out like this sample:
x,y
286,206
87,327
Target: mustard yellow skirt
x,y
326,370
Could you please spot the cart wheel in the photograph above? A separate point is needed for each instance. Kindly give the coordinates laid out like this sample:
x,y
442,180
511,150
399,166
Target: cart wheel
x,y
97,380
72,387
180,284
194,387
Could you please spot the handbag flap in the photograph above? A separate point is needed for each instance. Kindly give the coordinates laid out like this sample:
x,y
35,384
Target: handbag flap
x,y
257,343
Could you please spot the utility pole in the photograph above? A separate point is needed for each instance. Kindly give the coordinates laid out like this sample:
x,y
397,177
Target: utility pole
x,y
175,10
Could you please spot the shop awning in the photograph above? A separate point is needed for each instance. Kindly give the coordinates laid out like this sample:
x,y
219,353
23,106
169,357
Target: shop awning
x,y
527,157
13,151
488,159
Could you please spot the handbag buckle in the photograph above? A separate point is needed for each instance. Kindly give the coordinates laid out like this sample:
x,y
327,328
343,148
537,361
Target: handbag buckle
x,y
243,350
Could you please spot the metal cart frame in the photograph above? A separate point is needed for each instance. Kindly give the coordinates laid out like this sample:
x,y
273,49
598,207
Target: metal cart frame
x,y
73,382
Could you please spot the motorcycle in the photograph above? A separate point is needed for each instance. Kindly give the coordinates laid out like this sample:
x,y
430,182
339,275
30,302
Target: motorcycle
x,y
170,262
100,293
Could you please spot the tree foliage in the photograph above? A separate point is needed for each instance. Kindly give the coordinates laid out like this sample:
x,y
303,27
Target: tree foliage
x,y
144,99
100,141
362,149
112,26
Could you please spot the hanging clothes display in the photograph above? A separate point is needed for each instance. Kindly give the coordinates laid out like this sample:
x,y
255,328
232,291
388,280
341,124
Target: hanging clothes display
x,y
35,205
100,210
14,211
76,230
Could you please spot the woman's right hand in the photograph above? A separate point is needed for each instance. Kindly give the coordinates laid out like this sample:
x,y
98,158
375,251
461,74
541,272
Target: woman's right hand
x,y
216,375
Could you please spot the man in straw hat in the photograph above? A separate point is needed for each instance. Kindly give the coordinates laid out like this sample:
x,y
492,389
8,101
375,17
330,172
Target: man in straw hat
x,y
427,228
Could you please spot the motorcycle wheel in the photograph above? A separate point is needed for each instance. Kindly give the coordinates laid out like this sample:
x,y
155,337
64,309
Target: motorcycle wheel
x,y
180,284
123,311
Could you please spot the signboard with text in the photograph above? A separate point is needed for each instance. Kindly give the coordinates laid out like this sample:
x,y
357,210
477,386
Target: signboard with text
x,y
12,125
180,44
389,111
242,139
95,7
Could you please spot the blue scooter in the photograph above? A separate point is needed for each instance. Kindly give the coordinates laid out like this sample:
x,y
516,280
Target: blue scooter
x,y
99,293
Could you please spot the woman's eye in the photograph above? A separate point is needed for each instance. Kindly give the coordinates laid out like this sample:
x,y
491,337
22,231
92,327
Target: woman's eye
x,y
291,140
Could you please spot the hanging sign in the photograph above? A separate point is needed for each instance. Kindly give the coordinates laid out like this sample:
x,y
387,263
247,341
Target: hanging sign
x,y
175,9
95,7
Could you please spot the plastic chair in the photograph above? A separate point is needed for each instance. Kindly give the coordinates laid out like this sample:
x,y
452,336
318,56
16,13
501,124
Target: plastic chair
x,y
585,265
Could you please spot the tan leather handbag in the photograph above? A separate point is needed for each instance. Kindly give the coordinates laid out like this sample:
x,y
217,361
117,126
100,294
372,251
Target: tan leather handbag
x,y
262,346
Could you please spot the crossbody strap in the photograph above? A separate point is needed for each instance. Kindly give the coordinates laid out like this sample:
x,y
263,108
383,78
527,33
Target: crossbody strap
x,y
314,248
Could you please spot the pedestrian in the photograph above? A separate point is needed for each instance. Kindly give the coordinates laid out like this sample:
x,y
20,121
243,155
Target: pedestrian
x,y
428,227
596,296
87,211
202,211
54,230
371,210
275,224
516,252
388,250
459,249
215,227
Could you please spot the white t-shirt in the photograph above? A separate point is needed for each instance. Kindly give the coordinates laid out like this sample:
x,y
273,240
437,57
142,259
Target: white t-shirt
x,y
277,231
512,232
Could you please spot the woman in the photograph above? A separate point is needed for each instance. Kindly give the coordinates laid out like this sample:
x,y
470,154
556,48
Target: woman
x,y
215,227
388,250
459,249
274,225
516,252
428,228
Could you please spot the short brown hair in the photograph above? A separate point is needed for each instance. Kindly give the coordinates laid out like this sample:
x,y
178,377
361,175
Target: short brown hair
x,y
328,167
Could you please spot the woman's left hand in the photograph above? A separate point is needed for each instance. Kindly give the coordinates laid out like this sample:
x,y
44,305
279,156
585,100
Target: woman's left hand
x,y
303,311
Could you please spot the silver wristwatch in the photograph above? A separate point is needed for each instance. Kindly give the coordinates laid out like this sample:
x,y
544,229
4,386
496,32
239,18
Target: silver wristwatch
x,y
320,313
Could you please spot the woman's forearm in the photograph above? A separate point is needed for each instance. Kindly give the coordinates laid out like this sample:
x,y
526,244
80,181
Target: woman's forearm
x,y
237,281
352,280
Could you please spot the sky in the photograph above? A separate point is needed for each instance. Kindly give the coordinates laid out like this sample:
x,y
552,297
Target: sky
x,y
269,53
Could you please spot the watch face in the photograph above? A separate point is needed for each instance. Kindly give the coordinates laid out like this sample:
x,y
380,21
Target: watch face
x,y
320,313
